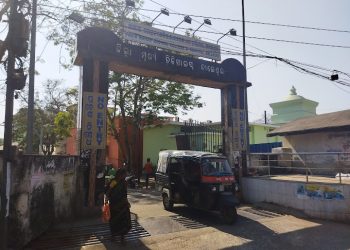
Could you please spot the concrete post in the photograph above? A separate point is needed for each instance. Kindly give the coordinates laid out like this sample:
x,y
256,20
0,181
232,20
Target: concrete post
x,y
233,118
95,79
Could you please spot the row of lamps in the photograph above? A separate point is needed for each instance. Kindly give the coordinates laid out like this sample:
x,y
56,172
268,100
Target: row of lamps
x,y
187,19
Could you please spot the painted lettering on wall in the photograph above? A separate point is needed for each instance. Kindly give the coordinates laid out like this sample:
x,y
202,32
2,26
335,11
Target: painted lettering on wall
x,y
319,192
339,143
238,122
94,121
45,168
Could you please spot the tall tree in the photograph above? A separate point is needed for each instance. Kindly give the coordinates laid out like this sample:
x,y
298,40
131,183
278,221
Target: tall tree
x,y
4,8
139,100
55,114
130,96
64,23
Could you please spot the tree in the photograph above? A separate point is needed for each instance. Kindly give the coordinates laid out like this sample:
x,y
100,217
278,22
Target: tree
x,y
104,13
130,96
4,8
55,114
139,100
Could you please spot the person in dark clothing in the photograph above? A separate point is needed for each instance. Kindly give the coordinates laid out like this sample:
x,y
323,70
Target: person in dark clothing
x,y
120,221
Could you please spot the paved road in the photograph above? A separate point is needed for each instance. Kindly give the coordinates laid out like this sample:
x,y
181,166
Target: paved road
x,y
185,228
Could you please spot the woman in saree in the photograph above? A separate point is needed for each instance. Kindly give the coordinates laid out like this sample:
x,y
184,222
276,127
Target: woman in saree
x,y
120,221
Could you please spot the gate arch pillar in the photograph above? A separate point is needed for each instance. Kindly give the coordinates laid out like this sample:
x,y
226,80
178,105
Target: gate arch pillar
x,y
235,123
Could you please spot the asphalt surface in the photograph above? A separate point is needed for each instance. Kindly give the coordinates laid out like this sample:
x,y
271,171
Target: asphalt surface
x,y
263,227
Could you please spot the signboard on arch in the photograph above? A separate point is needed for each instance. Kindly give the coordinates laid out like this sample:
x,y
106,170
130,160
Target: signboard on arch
x,y
94,133
146,34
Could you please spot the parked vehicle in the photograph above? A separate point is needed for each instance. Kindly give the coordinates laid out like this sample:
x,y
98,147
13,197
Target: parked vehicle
x,y
198,179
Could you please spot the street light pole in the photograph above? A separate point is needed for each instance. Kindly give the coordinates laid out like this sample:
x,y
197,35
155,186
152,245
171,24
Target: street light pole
x,y
243,27
247,153
6,166
30,114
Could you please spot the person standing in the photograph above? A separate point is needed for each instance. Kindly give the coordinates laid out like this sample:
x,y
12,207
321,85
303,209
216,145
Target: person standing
x,y
120,221
148,168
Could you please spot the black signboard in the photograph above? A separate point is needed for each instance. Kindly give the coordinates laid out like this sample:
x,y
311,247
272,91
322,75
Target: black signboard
x,y
105,44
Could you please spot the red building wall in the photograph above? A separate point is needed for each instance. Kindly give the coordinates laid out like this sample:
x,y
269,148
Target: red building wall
x,y
114,153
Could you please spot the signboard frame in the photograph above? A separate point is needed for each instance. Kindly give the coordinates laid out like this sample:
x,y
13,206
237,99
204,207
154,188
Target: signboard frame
x,y
148,35
94,121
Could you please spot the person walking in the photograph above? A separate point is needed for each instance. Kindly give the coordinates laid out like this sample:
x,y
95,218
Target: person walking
x,y
148,168
120,221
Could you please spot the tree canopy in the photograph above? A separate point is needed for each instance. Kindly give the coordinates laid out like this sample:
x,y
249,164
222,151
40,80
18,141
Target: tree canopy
x,y
134,98
55,114
139,100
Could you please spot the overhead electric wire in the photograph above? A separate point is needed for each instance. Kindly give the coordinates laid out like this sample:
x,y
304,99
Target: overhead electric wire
x,y
298,42
288,62
270,39
252,22
314,72
261,38
220,33
267,59
296,67
238,20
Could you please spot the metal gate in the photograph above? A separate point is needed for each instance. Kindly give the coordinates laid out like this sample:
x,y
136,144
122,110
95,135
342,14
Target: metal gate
x,y
200,136
79,237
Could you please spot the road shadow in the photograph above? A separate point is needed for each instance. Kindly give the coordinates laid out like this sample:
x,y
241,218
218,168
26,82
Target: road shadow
x,y
317,234
326,236
89,232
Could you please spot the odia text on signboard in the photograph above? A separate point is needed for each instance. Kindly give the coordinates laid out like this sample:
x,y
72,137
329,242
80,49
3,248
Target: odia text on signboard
x,y
178,64
94,121
127,56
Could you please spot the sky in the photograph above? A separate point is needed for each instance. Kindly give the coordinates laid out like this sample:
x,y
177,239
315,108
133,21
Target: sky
x,y
271,79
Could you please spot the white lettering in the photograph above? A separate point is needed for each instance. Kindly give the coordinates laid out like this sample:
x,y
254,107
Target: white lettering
x,y
178,62
212,69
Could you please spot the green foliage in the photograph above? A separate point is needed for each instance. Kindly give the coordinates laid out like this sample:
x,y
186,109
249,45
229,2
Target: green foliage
x,y
104,13
136,99
133,95
63,124
54,113
139,100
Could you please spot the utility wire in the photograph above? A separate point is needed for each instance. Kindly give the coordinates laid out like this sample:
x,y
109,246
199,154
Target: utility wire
x,y
298,42
303,70
348,75
220,33
268,39
295,66
288,62
252,22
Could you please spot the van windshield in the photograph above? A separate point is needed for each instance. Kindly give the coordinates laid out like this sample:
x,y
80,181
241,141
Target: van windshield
x,y
215,167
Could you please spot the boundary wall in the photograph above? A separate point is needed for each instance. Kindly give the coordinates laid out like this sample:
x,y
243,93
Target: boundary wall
x,y
43,190
317,200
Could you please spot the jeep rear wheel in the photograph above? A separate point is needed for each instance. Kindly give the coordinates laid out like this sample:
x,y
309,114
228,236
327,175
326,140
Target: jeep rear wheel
x,y
167,203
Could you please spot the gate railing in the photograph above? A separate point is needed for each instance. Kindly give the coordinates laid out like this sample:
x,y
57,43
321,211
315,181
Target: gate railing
x,y
201,136
310,165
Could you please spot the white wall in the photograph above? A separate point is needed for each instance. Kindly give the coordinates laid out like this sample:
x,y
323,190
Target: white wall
x,y
285,193
319,142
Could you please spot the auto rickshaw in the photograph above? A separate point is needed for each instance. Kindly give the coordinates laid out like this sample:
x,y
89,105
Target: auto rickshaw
x,y
198,179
